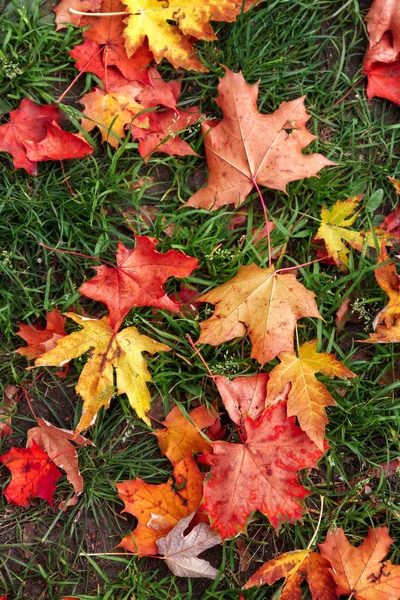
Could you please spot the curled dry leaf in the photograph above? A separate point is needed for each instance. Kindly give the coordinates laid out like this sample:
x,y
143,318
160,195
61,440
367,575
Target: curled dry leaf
x,y
262,303
259,474
307,397
296,567
34,475
243,396
181,551
248,148
60,445
182,436
138,279
109,350
158,508
361,572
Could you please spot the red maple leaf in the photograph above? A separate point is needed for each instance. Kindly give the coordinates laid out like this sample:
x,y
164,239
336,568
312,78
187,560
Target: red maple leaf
x,y
33,475
260,474
138,279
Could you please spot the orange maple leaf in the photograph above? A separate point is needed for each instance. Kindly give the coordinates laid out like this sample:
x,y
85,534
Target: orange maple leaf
x,y
307,397
261,302
360,572
182,436
295,567
158,508
248,148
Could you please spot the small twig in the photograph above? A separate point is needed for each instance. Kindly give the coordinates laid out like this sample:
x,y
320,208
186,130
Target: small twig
x,y
318,524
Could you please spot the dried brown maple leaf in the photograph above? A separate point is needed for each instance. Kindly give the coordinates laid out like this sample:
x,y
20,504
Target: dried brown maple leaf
x,y
295,567
263,303
360,572
248,148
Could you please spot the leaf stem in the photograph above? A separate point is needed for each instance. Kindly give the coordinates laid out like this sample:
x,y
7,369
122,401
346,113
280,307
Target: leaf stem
x,y
267,222
191,342
77,254
318,524
93,14
311,262
71,85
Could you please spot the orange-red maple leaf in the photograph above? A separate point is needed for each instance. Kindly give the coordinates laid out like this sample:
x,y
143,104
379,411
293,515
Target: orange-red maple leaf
x,y
64,15
260,474
58,145
248,148
261,302
182,436
138,279
33,475
360,572
307,396
295,567
42,340
158,508
243,396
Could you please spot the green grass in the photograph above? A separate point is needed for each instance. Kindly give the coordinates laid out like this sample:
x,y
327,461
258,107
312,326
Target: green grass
x,y
293,47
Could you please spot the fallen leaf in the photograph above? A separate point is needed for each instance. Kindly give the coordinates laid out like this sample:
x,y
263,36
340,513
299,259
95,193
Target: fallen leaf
x,y
7,407
58,145
307,397
60,445
248,148
342,314
111,112
258,475
159,507
63,14
295,567
360,571
138,279
121,351
383,79
262,303
387,322
243,396
89,59
151,20
34,475
181,436
41,340
181,551
27,123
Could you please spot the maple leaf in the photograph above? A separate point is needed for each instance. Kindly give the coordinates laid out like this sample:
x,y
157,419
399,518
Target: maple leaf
x,y
63,14
58,145
248,148
261,302
109,350
181,551
27,123
159,507
307,397
181,436
163,133
89,59
111,111
295,567
260,474
243,396
7,406
57,445
387,322
33,475
41,340
138,279
150,19
360,571
334,231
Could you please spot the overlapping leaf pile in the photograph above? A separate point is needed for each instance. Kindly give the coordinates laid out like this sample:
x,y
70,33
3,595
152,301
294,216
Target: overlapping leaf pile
x,y
275,418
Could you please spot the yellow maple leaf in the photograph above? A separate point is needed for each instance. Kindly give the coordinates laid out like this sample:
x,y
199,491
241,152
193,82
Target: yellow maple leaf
x,y
335,232
307,396
262,303
111,112
151,19
120,351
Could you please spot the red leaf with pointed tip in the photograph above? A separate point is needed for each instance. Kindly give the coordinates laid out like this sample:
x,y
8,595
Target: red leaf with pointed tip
x,y
34,475
58,145
244,396
260,474
28,123
41,340
138,279
88,57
